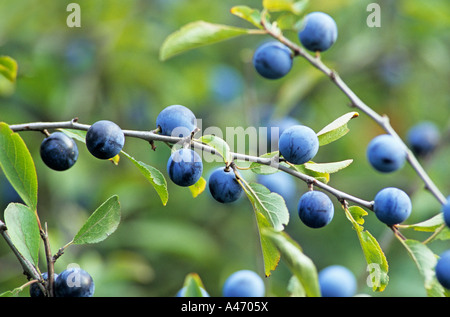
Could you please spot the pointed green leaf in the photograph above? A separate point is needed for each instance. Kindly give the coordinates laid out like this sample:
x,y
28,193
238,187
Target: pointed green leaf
x,y
78,135
23,230
375,258
429,225
300,265
8,68
198,187
425,261
271,205
293,6
336,129
219,145
193,286
251,15
154,176
321,177
327,168
264,169
18,165
271,255
197,34
101,224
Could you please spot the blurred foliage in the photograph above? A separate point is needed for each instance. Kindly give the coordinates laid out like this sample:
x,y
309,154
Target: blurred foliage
x,y
109,69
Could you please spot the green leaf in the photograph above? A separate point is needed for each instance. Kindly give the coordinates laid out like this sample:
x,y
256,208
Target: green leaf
x,y
8,68
193,286
425,261
271,255
23,230
101,224
429,225
198,187
18,165
336,129
219,145
300,265
271,205
249,14
327,168
154,176
264,169
376,260
78,135
197,34
296,7
321,177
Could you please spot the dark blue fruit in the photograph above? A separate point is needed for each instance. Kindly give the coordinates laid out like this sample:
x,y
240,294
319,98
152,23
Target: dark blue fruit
x,y
319,32
74,282
386,154
392,206
315,209
298,144
59,152
443,269
223,185
244,283
423,138
105,139
35,290
337,281
176,120
272,60
184,167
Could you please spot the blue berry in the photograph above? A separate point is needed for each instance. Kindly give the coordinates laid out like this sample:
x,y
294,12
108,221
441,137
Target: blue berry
x,y
315,209
392,206
223,185
423,138
319,32
278,124
298,144
442,269
35,290
105,139
184,167
244,283
176,120
386,154
272,60
337,281
74,282
58,151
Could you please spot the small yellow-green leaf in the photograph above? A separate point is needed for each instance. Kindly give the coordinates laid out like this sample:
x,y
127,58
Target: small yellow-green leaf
x,y
327,168
8,68
296,7
193,286
336,129
219,145
251,15
198,187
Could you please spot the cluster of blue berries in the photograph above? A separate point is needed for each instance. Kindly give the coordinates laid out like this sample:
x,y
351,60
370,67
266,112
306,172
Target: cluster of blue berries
x,y
104,140
72,282
273,60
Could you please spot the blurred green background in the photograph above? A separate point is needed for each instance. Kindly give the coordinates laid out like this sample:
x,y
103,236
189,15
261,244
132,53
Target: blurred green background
x,y
109,69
